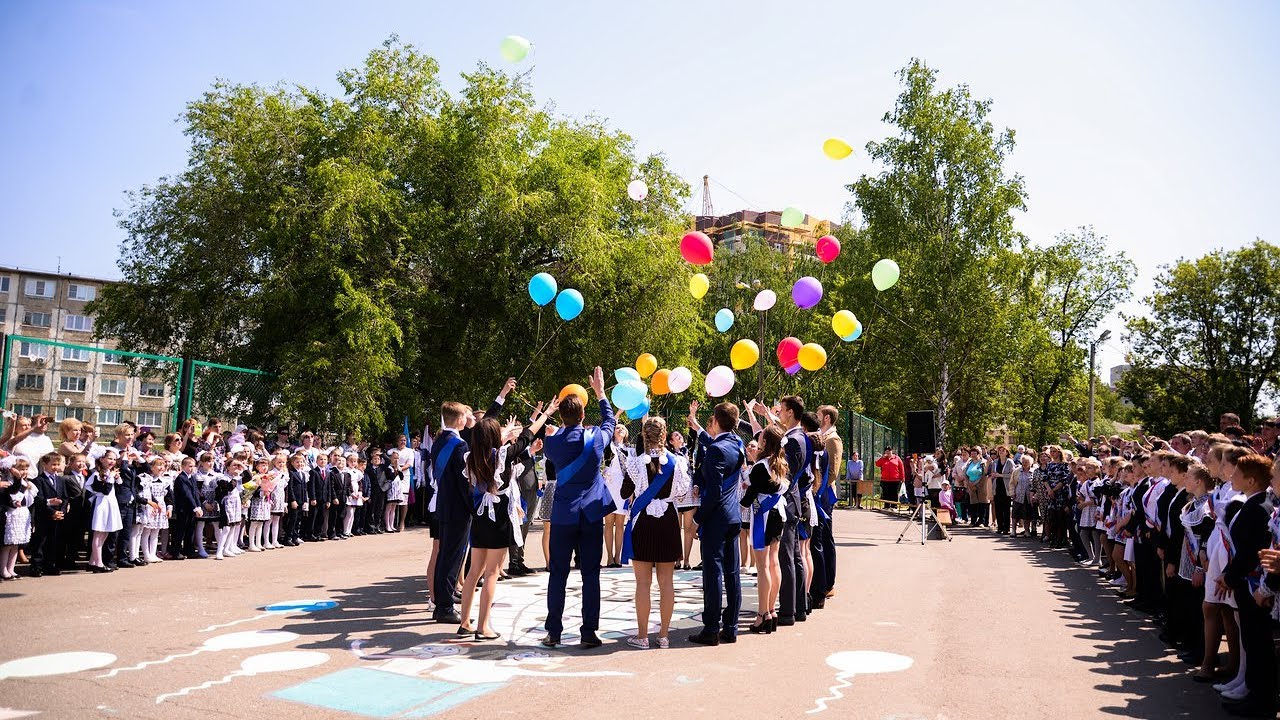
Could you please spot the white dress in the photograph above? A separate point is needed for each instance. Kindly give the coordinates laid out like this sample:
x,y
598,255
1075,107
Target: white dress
x,y
155,489
1219,551
613,477
106,509
279,502
353,479
17,528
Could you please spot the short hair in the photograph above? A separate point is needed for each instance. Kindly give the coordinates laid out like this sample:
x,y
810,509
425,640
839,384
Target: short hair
x,y
452,411
794,404
1234,454
726,415
49,457
571,411
1235,432
206,456
829,412
809,421
1181,463
188,459
1201,473
124,429
1230,417
1255,467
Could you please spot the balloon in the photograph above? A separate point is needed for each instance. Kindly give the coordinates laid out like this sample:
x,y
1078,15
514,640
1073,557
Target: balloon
x,y
637,190
836,149
724,319
569,304
646,364
788,351
660,383
885,274
828,248
765,300
628,394
542,288
719,381
744,354
792,217
574,389
696,248
812,356
857,333
793,369
680,379
514,48
843,323
640,410
698,286
806,292
623,374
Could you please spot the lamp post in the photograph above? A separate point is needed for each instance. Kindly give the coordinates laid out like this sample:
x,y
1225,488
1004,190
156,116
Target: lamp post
x,y
1093,352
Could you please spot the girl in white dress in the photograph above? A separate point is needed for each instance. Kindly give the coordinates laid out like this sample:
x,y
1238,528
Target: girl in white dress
x,y
17,497
354,498
260,504
615,523
277,502
227,533
155,489
101,488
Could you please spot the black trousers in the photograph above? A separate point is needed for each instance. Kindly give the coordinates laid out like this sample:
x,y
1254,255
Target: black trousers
x,y
819,548
1259,648
293,524
1003,504
454,534
530,498
319,518
719,546
181,533
791,595
336,513
1146,566
376,509
118,541
48,540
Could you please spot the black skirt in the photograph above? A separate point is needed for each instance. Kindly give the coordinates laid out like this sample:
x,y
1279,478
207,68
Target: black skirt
x,y
493,534
657,540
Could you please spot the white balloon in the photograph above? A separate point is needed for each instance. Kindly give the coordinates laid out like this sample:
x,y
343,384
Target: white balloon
x,y
765,300
680,379
720,381
637,190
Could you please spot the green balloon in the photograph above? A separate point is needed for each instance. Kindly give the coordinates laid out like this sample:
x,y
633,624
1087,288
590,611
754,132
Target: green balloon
x,y
885,274
792,217
514,48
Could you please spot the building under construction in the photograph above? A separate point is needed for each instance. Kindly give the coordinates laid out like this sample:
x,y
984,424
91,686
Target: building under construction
x,y
733,230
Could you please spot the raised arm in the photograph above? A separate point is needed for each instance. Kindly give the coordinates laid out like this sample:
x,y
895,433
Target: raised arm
x,y
607,421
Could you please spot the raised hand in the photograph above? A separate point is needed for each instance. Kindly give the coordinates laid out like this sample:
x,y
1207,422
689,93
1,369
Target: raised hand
x,y
507,387
537,412
597,382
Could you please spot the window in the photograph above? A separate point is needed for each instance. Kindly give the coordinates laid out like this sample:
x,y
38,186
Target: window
x,y
80,323
41,288
33,351
81,292
151,389
71,383
30,381
112,387
109,417
27,410
63,412
36,319
113,359
149,418
4,315
4,284
75,354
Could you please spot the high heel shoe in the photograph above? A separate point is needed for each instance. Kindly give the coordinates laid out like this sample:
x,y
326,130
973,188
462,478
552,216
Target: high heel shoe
x,y
760,627
773,624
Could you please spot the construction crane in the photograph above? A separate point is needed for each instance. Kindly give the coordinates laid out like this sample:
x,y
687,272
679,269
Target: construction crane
x,y
707,209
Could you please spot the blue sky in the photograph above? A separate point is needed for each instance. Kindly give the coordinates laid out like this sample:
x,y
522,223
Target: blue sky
x,y
1153,121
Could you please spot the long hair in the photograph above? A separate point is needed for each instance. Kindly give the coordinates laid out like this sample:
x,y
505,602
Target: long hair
x,y
771,451
486,436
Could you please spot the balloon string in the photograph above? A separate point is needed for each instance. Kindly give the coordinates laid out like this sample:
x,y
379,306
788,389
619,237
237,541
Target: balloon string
x,y
866,340
539,351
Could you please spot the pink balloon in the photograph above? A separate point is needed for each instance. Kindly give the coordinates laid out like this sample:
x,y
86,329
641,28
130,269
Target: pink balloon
x,y
806,292
828,248
696,248
789,352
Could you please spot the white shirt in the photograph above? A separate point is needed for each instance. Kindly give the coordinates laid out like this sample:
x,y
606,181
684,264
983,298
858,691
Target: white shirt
x,y
637,467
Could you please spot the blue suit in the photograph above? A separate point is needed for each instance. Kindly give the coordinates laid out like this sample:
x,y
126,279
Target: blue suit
x,y
453,509
719,518
577,513
793,600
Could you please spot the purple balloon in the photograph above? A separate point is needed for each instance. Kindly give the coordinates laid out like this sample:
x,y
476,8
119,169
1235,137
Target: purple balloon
x,y
792,369
806,292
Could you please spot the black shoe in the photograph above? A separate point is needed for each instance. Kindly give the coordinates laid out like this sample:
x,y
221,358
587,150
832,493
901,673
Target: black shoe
x,y
760,628
550,641
727,639
589,641
98,569
705,638
817,603
785,621
464,631
52,571
177,557
485,638
124,564
451,618
698,566
773,625
140,562
802,617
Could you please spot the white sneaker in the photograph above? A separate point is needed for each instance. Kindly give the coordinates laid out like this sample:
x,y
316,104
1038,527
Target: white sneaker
x,y
1235,694
1119,581
639,643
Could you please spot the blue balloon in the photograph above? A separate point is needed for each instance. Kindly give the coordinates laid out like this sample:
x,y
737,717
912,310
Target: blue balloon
x,y
628,394
542,288
624,374
857,333
724,319
639,411
569,304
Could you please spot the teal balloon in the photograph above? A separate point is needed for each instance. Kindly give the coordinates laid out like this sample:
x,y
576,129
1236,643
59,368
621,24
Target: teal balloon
x,y
857,333
628,394
542,288
724,319
569,304
638,411
624,374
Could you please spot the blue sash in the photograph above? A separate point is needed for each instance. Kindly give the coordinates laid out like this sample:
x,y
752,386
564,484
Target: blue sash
x,y
588,449
826,498
446,453
660,480
767,504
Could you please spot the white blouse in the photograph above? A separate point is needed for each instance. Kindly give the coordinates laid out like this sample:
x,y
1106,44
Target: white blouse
x,y
637,468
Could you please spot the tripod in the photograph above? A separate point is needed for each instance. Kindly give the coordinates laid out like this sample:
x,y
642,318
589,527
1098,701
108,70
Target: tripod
x,y
923,513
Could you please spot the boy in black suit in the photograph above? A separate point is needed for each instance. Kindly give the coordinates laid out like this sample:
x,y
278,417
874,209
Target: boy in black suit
x,y
321,498
339,489
298,498
186,508
51,510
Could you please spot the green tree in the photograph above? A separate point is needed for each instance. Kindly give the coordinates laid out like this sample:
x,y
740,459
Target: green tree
x,y
373,248
1209,342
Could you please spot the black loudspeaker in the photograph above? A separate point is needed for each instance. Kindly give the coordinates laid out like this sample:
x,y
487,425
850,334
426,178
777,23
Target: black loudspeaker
x,y
922,434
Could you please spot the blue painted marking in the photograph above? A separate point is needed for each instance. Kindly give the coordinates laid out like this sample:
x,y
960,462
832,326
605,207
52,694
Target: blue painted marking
x,y
374,693
303,606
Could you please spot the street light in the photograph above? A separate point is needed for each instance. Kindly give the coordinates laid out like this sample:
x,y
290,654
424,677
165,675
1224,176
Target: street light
x,y
1093,350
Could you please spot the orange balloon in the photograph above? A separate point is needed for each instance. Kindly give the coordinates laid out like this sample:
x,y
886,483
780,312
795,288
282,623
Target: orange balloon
x,y
574,389
660,383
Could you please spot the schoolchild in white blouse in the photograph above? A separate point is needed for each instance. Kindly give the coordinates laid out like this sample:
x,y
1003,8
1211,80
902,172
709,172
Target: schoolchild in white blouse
x,y
615,522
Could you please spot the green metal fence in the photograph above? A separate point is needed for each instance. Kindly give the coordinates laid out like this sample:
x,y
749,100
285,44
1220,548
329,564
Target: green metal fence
x,y
869,438
237,396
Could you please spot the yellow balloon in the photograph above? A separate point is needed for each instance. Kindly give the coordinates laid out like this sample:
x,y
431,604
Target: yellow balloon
x,y
744,354
844,323
646,364
812,356
698,286
574,389
661,382
836,149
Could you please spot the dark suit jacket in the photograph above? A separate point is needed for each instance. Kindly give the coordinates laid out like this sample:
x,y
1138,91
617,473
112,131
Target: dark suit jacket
x,y
584,495
454,500
1174,532
318,486
186,496
1249,534
339,485
297,490
50,486
794,447
717,480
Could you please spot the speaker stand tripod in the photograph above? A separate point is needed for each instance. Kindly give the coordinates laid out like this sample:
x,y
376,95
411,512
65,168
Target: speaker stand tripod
x,y
928,521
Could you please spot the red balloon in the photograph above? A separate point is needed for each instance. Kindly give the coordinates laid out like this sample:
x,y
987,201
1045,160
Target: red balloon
x,y
696,248
828,248
789,352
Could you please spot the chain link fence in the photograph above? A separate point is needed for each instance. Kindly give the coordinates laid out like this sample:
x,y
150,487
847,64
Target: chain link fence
x,y
869,438
237,396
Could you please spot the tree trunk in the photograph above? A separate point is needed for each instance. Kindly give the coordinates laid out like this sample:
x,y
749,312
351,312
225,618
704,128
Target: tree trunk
x,y
944,398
